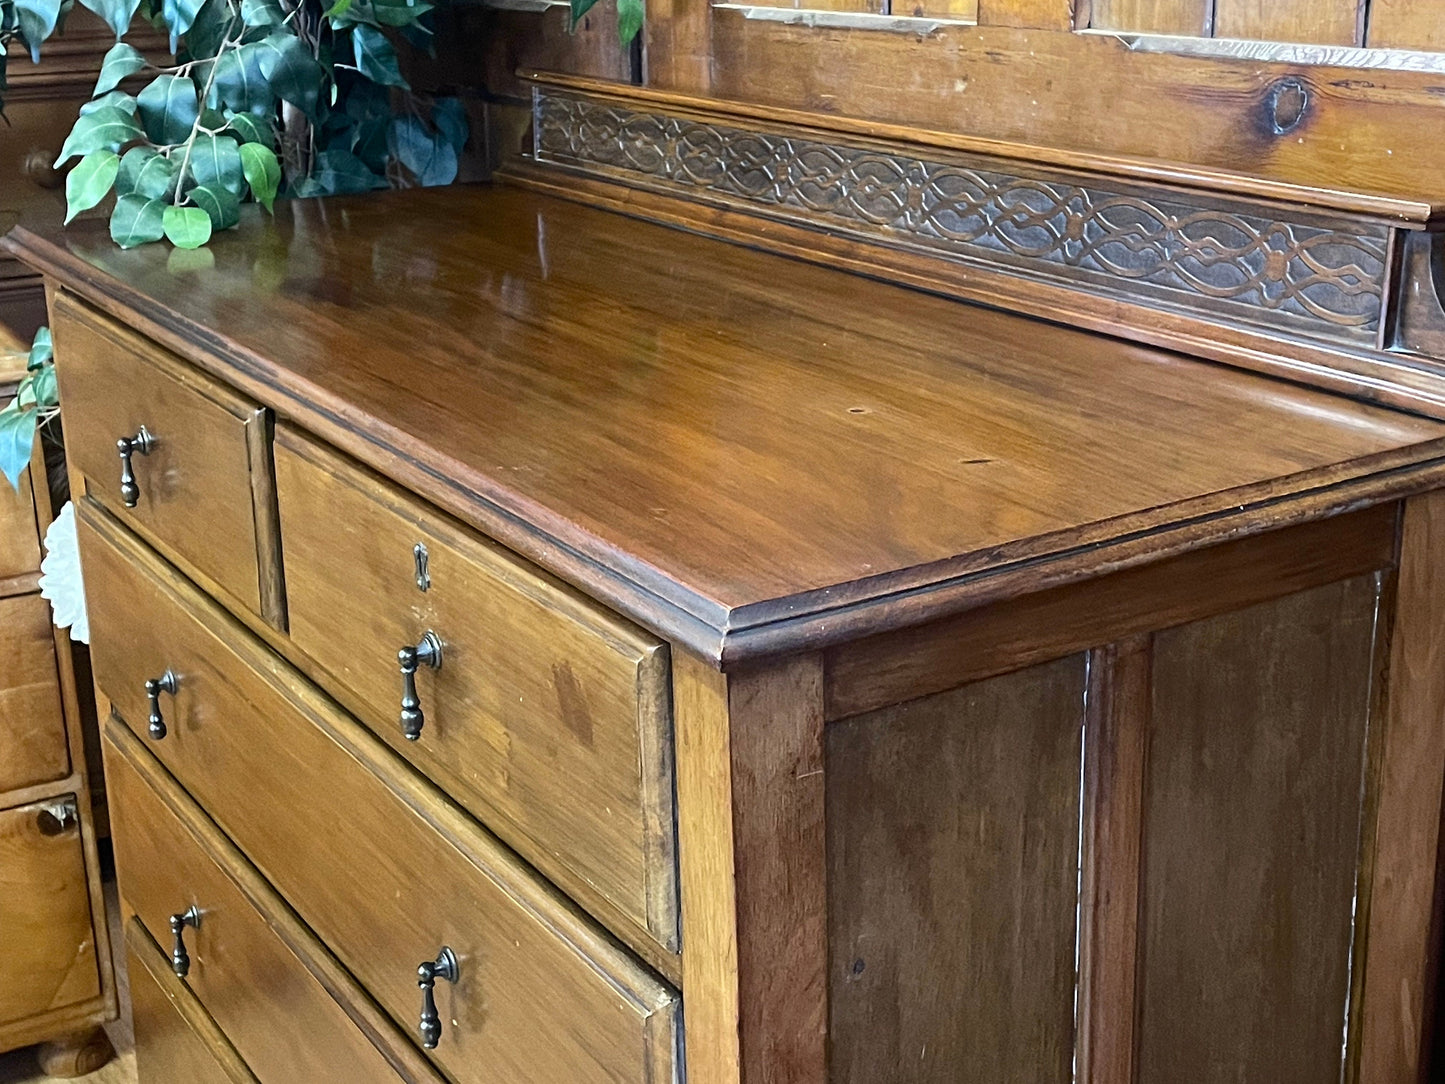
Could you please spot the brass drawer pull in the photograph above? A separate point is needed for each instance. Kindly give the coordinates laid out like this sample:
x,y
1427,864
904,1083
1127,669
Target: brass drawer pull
x,y
142,442
443,967
426,653
180,959
166,683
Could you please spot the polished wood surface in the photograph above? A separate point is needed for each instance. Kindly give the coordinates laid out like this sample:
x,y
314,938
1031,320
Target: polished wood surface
x,y
33,746
531,964
549,718
625,431
196,490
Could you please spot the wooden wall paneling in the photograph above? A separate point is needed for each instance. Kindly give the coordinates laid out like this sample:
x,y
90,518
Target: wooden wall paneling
x,y
1188,18
677,45
1401,955
751,852
1257,746
953,840
1406,24
1318,22
1044,14
1114,764
964,10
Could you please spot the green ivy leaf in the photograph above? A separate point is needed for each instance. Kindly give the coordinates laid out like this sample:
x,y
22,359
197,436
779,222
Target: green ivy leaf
x,y
168,109
397,12
293,73
239,84
256,13
431,159
137,221
251,129
336,173
579,9
17,437
44,390
450,117
116,13
108,127
179,15
630,14
87,184
36,19
145,173
210,29
220,204
116,99
216,161
187,227
263,173
121,61
42,352
375,57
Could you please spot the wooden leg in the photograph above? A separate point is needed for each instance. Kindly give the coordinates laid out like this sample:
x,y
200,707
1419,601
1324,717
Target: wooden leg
x,y
75,1055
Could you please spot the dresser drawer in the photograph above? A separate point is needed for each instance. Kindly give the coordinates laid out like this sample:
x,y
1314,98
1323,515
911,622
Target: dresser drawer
x,y
33,745
548,717
378,864
176,1041
255,968
205,493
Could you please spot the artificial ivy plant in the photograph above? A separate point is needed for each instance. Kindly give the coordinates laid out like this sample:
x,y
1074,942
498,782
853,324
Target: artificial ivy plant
x,y
36,402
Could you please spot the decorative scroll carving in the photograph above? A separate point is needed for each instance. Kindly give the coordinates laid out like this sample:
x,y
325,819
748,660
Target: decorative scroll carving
x,y
1311,272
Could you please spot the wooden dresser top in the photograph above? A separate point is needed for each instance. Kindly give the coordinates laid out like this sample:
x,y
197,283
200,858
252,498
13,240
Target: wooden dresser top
x,y
743,452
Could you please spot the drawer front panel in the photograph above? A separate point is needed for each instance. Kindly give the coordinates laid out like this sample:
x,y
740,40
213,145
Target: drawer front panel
x,y
47,944
174,1038
375,861
32,726
548,717
205,495
274,1011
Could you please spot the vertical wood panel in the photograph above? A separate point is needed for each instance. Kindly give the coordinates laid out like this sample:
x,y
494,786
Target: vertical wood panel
x,y
1321,22
1190,18
1406,24
1038,14
33,747
1251,837
1400,954
953,835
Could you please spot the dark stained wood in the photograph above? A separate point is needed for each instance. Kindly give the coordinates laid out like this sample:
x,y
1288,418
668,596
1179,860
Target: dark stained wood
x,y
549,717
623,431
871,673
953,845
1252,829
398,872
33,746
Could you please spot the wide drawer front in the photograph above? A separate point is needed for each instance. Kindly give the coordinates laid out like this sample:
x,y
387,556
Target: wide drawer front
x,y
547,716
172,862
198,482
32,727
377,863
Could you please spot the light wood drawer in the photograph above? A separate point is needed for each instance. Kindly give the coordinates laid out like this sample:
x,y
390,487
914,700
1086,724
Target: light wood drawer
x,y
175,1040
47,944
206,497
260,974
19,536
33,748
548,717
374,859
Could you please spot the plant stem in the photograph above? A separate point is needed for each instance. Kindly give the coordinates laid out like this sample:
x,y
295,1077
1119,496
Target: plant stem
x,y
226,42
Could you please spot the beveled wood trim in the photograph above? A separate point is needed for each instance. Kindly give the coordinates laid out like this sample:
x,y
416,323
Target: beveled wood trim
x,y
1405,923
872,673
51,1025
157,965
382,1032
753,861
1115,755
26,583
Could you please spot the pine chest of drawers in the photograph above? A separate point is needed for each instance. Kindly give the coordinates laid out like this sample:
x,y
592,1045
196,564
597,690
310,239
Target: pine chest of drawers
x,y
517,671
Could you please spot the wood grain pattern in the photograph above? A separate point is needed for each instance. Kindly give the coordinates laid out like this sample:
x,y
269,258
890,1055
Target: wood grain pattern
x,y
1185,17
549,717
1322,22
1406,24
50,959
1045,14
195,486
531,963
19,536
540,424
953,841
1397,1009
33,745
1251,838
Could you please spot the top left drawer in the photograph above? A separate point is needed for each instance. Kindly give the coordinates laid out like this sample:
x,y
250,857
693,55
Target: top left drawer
x,y
199,486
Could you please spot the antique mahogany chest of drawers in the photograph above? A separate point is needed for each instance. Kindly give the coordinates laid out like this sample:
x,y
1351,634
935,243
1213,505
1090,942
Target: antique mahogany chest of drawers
x,y
540,645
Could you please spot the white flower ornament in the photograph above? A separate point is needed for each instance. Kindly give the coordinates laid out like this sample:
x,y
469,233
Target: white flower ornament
x,y
60,579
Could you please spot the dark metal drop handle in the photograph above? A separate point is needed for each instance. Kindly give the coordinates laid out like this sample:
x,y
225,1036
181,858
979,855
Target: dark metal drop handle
x,y
180,959
166,683
142,442
426,653
443,967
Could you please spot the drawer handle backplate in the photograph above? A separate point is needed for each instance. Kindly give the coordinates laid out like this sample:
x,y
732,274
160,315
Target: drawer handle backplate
x,y
443,967
180,959
166,683
426,653
142,442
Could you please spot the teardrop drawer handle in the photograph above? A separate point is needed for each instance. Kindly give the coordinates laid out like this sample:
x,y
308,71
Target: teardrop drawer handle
x,y
180,959
142,442
443,967
166,683
426,653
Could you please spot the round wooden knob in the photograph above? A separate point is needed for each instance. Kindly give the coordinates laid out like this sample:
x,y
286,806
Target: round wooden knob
x,y
40,169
